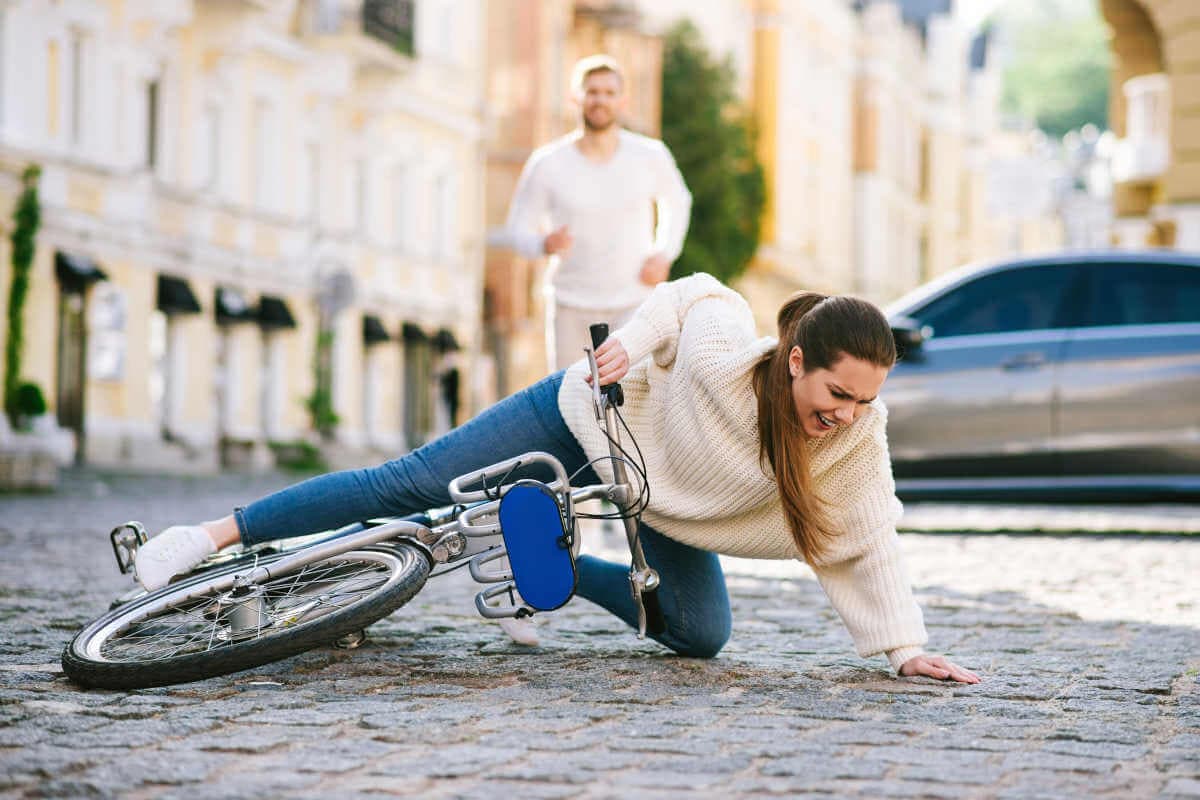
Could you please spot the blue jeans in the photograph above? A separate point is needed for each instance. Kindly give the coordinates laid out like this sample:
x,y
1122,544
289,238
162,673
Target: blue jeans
x,y
692,593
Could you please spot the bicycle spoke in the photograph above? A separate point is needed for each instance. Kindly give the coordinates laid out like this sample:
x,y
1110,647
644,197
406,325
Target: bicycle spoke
x,y
139,646
201,624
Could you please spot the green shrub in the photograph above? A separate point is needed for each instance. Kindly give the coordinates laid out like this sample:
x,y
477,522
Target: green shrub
x,y
28,400
320,408
298,456
26,219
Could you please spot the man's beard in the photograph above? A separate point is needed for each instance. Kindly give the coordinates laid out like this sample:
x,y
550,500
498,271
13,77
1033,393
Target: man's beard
x,y
591,126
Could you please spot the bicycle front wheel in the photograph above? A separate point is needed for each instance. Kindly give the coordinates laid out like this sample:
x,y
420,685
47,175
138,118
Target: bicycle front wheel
x,y
199,628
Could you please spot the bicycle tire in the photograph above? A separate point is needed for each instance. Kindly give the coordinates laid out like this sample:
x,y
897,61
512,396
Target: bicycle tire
x,y
116,650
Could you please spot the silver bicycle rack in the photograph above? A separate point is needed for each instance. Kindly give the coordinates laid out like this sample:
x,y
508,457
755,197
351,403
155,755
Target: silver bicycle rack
x,y
482,520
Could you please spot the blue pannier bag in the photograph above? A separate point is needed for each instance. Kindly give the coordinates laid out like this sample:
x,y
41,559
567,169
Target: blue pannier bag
x,y
538,545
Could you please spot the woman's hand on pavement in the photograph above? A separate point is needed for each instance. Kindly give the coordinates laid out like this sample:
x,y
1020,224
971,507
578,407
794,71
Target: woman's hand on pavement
x,y
612,362
937,667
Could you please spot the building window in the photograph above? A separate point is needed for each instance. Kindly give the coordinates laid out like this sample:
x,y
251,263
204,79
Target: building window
x,y
445,32
924,168
258,155
76,89
327,16
119,128
210,146
152,115
361,196
272,389
226,381
213,145
52,89
418,386
443,215
400,206
391,22
370,391
157,377
312,199
3,55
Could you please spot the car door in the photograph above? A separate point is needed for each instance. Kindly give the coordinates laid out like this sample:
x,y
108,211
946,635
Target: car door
x,y
1130,380
977,399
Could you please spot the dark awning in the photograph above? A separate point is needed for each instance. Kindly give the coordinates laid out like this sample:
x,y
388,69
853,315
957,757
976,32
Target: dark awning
x,y
444,340
175,296
274,313
77,272
232,307
373,330
413,333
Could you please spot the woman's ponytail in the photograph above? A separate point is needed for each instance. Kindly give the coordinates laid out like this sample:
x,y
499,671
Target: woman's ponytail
x,y
825,329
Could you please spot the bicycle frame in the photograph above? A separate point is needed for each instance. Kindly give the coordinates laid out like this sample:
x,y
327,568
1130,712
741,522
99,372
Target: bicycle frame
x,y
468,530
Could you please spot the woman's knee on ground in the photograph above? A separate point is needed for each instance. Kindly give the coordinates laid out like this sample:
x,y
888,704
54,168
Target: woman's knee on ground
x,y
701,638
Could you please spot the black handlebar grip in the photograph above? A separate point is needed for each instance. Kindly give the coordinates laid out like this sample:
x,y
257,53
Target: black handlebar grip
x,y
599,333
613,391
656,623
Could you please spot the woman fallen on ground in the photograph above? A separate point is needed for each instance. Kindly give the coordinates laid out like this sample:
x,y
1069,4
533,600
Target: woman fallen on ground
x,y
754,447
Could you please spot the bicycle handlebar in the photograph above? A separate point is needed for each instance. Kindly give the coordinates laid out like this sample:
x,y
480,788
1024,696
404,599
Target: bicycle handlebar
x,y
612,391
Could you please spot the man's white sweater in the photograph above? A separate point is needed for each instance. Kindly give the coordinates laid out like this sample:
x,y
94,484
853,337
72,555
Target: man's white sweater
x,y
619,212
690,404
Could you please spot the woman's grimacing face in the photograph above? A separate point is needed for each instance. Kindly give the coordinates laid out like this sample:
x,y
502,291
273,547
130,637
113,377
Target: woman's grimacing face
x,y
827,398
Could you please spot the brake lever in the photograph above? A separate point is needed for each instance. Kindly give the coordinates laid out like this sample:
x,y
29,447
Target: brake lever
x,y
596,394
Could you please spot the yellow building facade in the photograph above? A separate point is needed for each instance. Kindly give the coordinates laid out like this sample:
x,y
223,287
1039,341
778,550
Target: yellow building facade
x,y
1154,107
879,134
873,122
869,118
223,186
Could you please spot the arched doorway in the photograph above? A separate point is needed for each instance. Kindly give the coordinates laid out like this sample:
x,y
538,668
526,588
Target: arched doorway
x,y
1154,109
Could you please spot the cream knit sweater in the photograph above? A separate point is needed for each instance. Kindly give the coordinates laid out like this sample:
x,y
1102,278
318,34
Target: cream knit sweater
x,y
690,404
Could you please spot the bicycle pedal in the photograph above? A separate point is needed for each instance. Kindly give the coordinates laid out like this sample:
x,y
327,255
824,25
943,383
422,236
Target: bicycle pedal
x,y
351,641
126,539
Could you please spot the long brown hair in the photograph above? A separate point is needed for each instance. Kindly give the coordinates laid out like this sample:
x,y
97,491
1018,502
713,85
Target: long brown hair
x,y
825,329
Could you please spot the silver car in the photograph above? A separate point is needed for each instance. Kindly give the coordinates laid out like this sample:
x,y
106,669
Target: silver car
x,y
1075,374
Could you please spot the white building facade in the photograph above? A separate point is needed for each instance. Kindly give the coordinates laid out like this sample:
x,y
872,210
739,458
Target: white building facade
x,y
227,185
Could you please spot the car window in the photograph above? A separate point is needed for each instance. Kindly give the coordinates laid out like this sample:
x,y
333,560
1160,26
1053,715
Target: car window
x,y
1021,299
1144,294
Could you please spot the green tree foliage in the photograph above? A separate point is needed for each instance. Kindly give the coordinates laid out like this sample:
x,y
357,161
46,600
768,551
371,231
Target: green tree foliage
x,y
27,218
710,135
1059,64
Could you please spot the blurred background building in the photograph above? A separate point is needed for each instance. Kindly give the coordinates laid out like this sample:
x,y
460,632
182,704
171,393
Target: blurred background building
x,y
224,186
265,218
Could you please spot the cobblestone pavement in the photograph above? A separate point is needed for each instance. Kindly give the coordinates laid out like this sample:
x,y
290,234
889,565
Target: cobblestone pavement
x,y
1089,647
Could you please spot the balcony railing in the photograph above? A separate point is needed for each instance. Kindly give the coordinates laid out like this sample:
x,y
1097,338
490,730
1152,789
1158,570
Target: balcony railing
x,y
390,21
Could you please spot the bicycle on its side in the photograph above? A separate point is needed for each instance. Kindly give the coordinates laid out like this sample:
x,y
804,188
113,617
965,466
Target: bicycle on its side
x,y
248,606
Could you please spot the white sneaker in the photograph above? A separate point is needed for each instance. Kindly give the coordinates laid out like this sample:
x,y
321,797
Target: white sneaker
x,y
175,550
520,630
